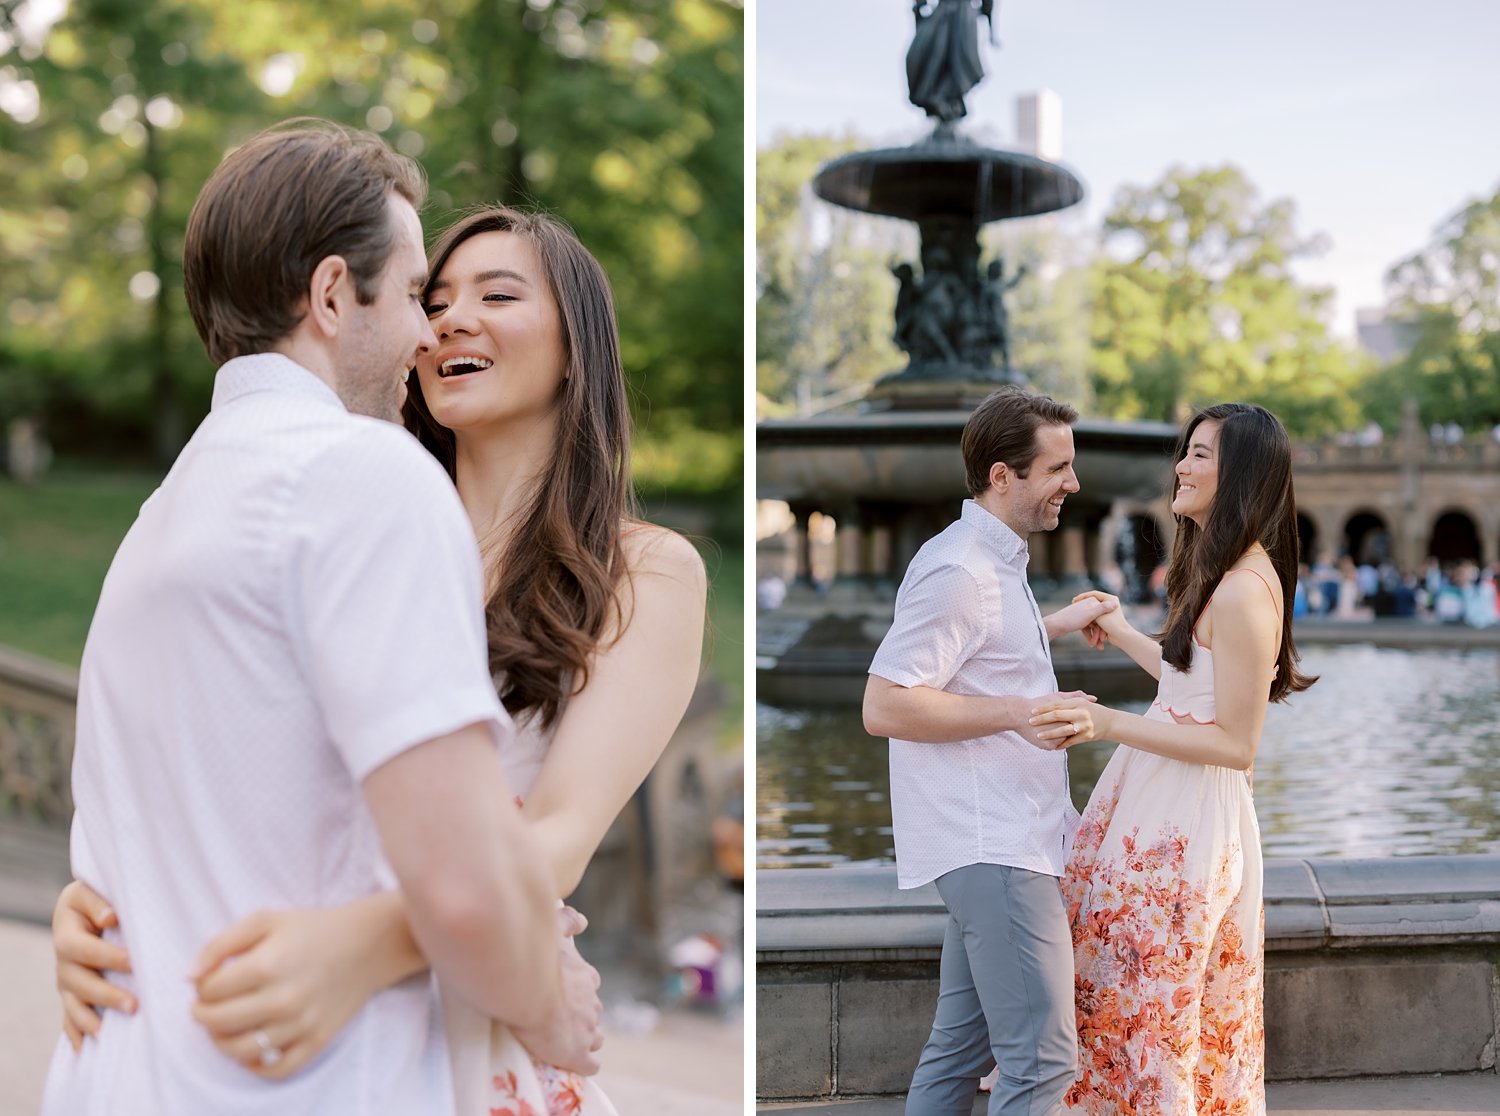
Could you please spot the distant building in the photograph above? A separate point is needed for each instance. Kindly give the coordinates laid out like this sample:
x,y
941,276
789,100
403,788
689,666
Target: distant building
x,y
1383,337
1039,124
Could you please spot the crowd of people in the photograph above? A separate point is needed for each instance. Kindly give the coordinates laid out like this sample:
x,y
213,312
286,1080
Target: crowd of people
x,y
1460,592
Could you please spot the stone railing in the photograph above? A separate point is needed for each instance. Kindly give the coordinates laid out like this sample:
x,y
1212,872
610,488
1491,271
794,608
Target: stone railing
x,y
1470,453
37,699
1373,967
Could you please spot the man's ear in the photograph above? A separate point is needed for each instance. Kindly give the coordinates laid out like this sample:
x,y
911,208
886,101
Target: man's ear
x,y
1000,476
329,293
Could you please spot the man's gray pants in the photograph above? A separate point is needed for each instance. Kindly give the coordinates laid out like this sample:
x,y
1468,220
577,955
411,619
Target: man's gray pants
x,y
1005,992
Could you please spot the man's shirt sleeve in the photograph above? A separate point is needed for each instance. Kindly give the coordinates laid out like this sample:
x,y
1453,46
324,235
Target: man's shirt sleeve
x,y
385,588
941,619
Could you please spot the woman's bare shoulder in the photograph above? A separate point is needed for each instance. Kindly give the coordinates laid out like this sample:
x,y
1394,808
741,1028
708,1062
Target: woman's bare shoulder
x,y
1249,587
656,551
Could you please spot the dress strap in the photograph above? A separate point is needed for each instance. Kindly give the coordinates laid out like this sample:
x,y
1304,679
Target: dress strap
x,y
1231,573
1263,581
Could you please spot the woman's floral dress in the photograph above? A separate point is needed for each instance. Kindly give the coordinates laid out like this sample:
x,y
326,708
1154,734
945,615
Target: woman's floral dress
x,y
1163,890
493,1075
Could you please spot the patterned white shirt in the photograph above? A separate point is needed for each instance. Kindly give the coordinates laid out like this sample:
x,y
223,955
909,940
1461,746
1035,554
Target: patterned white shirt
x,y
298,603
966,622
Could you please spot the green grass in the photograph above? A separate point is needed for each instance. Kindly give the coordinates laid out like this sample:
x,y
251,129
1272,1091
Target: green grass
x,y
58,537
56,542
726,627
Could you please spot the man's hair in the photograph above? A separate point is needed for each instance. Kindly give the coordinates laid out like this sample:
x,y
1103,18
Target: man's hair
x,y
276,207
1003,428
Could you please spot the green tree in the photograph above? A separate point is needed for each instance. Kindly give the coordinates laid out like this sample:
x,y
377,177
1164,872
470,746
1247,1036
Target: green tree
x,y
623,116
132,108
1194,302
824,303
1048,309
1448,297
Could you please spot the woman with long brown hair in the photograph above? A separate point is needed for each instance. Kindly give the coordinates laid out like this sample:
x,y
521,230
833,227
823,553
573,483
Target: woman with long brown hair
x,y
594,620
1164,882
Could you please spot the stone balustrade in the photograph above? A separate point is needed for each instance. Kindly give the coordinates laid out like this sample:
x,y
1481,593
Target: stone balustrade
x,y
1373,967
37,698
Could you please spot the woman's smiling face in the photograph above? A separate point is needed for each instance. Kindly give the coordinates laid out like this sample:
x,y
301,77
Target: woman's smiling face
x,y
1198,473
500,355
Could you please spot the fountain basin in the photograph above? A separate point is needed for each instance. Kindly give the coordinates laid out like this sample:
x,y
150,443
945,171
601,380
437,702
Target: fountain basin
x,y
948,177
913,457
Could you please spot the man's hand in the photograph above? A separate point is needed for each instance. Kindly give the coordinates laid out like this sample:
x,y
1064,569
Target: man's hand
x,y
1082,615
571,1038
1044,735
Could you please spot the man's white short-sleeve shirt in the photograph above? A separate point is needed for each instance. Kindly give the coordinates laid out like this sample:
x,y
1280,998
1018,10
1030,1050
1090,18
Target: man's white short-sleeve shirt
x,y
966,622
299,602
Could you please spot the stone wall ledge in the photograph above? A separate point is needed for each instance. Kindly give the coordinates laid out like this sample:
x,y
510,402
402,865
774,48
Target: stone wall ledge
x,y
858,913
22,671
1373,967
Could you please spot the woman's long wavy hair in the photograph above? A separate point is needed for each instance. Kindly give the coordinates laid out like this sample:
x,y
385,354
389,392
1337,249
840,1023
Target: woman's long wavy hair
x,y
1254,503
558,592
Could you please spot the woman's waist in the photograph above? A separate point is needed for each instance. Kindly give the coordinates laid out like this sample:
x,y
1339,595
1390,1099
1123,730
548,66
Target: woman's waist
x,y
1150,765
1182,705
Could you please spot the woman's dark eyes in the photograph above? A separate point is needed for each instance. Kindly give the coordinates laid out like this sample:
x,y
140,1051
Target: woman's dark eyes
x,y
495,296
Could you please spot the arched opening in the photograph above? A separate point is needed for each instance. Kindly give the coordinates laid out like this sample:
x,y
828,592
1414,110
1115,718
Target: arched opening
x,y
1367,539
1307,539
1455,538
1139,552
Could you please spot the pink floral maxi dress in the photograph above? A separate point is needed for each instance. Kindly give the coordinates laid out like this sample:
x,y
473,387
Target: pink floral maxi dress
x,y
1164,895
493,1075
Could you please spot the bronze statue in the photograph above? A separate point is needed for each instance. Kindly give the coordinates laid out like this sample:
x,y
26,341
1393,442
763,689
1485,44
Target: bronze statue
x,y
992,307
942,63
953,315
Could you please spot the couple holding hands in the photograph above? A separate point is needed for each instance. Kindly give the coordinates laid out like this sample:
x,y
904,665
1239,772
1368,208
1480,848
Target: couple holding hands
x,y
1113,964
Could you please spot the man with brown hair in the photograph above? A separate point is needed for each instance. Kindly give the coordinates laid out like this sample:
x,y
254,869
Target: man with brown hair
x,y
284,701
978,804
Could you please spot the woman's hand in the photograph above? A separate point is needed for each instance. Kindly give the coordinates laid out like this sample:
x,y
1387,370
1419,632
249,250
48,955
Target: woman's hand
x,y
1109,624
1062,721
1080,616
288,981
83,956
571,1039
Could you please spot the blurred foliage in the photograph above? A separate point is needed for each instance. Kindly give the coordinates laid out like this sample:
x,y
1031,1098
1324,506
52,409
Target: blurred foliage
x,y
1194,303
824,301
624,117
1049,320
1447,299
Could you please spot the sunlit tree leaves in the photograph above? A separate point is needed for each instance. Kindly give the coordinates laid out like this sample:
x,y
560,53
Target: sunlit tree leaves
x,y
624,117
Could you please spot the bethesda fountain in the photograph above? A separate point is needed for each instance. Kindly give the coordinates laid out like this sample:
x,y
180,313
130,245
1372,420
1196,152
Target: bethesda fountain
x,y
887,470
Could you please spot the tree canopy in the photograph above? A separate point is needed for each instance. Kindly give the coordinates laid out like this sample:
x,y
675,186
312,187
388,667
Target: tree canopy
x,y
1194,302
1447,297
623,117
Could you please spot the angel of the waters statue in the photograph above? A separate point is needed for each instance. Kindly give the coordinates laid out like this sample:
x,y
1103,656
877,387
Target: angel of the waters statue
x,y
942,63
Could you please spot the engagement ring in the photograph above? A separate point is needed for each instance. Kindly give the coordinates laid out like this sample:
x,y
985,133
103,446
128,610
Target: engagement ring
x,y
269,1055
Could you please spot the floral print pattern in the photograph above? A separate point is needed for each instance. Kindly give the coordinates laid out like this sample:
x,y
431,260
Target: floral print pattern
x,y
1163,892
522,1086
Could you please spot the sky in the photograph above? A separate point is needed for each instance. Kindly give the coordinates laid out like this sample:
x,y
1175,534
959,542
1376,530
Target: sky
x,y
1377,119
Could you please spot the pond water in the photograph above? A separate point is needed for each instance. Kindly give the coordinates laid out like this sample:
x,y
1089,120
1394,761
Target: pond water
x,y
1391,753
